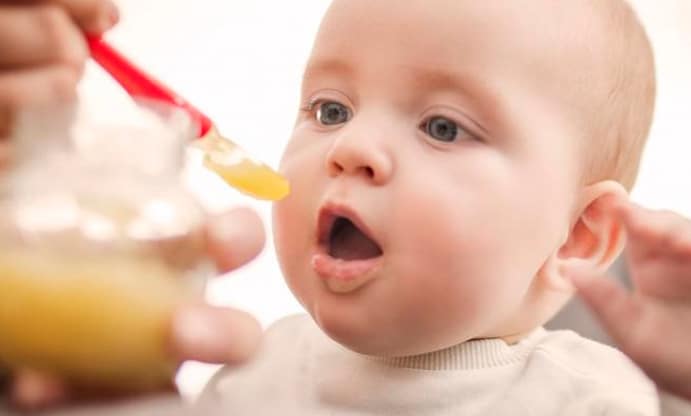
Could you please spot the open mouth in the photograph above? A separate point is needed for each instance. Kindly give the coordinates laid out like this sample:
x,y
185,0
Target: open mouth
x,y
344,238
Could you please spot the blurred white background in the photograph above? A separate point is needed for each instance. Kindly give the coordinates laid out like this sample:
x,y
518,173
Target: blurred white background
x,y
241,63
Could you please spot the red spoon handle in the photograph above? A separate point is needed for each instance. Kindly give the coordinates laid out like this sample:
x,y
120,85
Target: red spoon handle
x,y
139,84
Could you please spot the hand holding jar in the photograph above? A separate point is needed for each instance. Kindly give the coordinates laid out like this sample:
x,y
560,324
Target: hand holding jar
x,y
103,256
92,255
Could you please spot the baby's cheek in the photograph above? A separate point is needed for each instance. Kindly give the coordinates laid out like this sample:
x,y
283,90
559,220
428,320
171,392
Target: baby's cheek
x,y
294,222
452,254
289,239
467,260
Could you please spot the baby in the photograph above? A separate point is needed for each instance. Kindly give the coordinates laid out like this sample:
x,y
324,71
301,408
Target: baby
x,y
516,128
451,162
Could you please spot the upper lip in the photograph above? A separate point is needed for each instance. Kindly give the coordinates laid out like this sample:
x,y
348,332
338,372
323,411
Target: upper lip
x,y
328,215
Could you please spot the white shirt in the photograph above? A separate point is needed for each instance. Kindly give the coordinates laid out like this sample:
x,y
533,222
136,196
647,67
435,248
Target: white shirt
x,y
300,371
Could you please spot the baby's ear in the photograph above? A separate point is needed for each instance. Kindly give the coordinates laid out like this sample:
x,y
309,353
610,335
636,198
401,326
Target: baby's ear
x,y
596,238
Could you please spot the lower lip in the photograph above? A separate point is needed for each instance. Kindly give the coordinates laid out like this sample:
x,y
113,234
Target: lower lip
x,y
341,276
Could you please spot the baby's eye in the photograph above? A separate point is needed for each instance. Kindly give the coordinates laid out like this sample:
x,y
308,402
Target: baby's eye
x,y
331,113
443,129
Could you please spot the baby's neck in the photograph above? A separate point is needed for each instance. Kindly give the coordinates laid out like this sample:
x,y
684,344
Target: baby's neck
x,y
472,354
512,339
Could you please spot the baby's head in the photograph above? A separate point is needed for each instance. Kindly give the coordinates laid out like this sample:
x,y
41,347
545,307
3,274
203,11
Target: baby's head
x,y
452,158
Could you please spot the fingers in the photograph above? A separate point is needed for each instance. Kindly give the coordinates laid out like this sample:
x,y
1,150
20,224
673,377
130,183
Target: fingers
x,y
214,335
612,305
37,86
41,43
636,323
40,35
93,16
31,390
42,59
235,238
659,251
656,230
221,335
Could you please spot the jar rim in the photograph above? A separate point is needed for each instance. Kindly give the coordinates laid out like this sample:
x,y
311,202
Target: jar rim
x,y
150,136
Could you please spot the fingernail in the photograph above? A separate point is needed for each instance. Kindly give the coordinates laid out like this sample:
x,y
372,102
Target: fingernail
x,y
108,17
113,14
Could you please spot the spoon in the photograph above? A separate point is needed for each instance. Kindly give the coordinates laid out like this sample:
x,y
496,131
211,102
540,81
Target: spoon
x,y
221,155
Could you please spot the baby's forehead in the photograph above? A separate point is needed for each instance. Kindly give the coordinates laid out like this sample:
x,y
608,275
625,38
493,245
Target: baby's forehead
x,y
551,36
540,45
443,16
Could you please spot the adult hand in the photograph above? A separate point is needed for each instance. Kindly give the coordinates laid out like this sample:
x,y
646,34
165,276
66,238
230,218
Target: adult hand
x,y
44,51
42,60
652,325
198,331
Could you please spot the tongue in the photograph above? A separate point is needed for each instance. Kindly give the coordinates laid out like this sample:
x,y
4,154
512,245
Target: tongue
x,y
349,243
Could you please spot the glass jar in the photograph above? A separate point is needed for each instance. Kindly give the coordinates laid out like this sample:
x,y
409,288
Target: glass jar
x,y
99,241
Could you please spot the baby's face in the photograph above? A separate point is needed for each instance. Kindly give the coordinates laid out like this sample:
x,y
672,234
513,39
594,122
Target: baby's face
x,y
432,173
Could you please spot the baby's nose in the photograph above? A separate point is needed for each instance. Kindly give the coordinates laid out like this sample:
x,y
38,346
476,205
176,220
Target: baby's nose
x,y
359,157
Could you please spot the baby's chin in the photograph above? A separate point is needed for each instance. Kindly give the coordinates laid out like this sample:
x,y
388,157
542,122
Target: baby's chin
x,y
381,347
375,340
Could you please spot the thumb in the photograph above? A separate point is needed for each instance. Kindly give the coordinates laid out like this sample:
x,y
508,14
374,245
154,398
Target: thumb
x,y
611,304
213,334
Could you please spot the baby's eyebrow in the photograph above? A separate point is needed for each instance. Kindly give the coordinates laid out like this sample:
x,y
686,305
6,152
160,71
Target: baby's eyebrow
x,y
468,85
431,79
335,67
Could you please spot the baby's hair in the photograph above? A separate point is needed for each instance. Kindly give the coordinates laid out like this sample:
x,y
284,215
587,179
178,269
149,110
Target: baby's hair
x,y
623,118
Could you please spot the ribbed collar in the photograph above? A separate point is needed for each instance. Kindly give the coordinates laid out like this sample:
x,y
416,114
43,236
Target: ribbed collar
x,y
475,354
